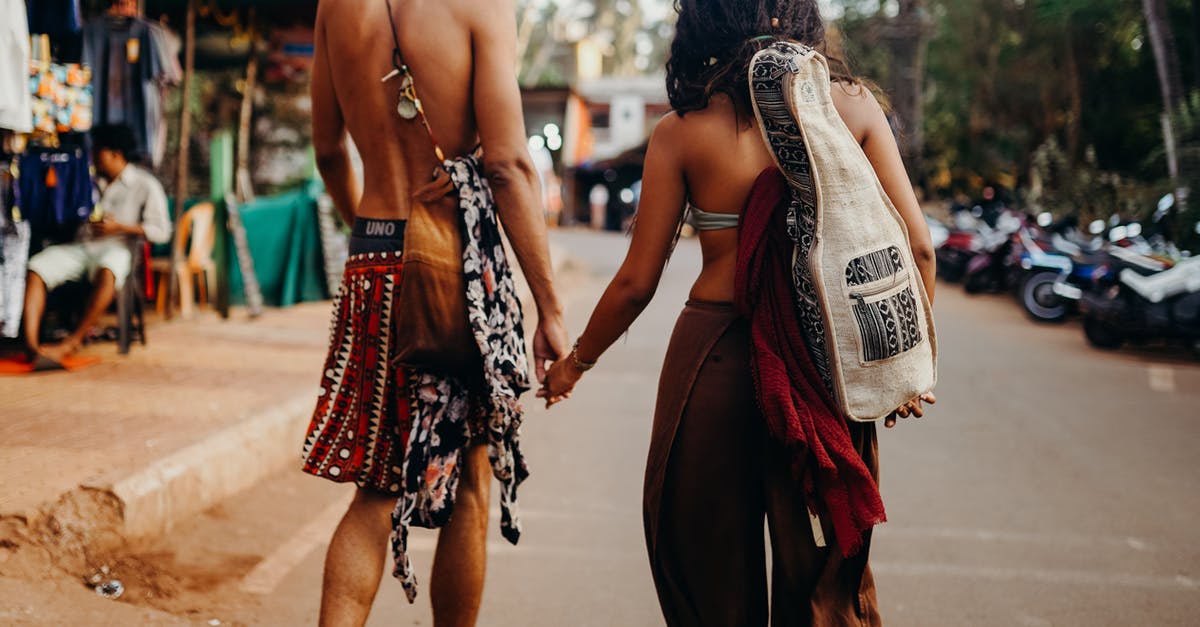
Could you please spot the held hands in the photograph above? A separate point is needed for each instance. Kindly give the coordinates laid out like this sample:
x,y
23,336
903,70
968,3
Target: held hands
x,y
550,344
911,408
559,382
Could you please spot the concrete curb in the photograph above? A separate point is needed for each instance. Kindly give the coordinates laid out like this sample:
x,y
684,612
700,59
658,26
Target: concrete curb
x,y
151,501
180,485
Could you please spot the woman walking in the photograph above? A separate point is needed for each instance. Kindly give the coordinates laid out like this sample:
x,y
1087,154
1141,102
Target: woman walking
x,y
724,456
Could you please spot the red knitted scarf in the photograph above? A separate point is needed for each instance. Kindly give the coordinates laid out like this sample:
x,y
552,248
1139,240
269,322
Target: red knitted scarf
x,y
801,416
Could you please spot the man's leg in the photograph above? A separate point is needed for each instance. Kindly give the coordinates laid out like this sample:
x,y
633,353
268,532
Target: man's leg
x,y
103,291
355,561
48,269
456,589
35,305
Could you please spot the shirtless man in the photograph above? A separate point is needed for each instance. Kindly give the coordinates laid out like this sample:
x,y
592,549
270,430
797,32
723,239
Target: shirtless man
x,y
462,55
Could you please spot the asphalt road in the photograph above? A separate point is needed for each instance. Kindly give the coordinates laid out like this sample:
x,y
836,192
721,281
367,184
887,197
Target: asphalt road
x,y
1052,485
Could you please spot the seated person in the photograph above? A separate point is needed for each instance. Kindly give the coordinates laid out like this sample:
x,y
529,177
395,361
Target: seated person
x,y
132,204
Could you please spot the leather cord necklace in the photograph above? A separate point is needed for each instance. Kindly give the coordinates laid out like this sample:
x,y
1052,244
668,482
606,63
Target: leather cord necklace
x,y
409,105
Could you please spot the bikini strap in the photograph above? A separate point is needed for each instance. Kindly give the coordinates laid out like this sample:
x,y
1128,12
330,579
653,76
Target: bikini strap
x,y
408,88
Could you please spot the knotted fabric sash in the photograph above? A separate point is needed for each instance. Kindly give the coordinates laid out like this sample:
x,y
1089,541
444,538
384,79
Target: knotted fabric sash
x,y
443,408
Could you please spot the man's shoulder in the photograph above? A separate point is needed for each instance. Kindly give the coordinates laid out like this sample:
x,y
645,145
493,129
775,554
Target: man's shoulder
x,y
138,176
484,14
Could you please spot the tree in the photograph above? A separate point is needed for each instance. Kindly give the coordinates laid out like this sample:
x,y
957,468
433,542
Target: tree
x,y
549,29
1162,40
908,34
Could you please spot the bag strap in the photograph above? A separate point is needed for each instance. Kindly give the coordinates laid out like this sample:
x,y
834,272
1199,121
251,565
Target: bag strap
x,y
408,87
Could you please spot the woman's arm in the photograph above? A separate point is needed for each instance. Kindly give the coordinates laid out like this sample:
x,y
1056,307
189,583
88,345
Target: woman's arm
x,y
664,194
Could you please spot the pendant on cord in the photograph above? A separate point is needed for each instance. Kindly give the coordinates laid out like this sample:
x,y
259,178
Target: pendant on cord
x,y
409,105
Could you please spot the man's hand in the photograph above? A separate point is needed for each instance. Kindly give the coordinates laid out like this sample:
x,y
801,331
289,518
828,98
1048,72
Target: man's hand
x,y
912,408
108,226
550,344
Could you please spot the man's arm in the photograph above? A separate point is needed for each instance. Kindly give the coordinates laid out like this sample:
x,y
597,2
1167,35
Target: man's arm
x,y
508,166
329,131
507,163
156,222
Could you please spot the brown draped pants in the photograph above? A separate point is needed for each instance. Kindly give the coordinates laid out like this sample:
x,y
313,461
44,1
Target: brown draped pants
x,y
713,477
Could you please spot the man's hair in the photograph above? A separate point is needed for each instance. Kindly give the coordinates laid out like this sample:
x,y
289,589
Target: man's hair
x,y
117,138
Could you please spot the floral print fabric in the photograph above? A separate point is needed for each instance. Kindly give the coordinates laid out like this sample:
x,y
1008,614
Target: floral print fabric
x,y
443,408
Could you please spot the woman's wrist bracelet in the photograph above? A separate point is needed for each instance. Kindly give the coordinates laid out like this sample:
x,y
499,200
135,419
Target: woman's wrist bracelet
x,y
580,365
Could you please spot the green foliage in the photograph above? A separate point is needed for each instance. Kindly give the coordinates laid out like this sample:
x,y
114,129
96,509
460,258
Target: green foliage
x,y
1014,85
1083,189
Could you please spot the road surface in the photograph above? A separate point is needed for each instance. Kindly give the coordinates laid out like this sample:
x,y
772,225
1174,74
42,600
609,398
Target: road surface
x,y
1052,485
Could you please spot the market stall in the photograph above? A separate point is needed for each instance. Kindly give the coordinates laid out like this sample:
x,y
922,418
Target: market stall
x,y
69,65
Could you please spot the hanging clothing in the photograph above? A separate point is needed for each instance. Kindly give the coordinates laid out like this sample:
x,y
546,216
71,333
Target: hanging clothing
x,y
167,44
16,106
55,189
15,236
126,65
55,17
62,97
14,263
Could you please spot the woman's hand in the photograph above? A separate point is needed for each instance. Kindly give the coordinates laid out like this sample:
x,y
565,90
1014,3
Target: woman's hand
x,y
912,408
559,382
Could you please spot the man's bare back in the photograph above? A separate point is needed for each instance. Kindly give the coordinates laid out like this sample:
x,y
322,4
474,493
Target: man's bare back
x,y
462,55
354,38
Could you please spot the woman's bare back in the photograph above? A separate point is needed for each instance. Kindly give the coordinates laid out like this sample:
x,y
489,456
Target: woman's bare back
x,y
721,157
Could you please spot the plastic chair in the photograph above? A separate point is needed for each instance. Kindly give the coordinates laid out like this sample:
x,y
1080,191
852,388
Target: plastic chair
x,y
193,244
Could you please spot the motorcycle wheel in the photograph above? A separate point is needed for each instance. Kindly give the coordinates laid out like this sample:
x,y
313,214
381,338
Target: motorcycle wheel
x,y
950,266
1102,335
1039,299
975,282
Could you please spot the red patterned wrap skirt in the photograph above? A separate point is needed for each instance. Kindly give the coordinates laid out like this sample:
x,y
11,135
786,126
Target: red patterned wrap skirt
x,y
360,427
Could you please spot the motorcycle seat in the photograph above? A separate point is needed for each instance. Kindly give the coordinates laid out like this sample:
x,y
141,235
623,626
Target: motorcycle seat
x,y
1092,258
1184,278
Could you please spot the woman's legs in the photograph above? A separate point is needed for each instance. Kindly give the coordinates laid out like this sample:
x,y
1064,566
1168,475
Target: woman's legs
x,y
709,564
813,585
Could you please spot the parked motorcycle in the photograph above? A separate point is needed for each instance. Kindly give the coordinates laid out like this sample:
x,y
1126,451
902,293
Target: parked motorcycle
x,y
961,242
1044,265
1141,307
995,267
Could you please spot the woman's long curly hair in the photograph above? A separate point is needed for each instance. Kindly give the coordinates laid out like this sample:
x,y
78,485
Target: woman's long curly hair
x,y
716,39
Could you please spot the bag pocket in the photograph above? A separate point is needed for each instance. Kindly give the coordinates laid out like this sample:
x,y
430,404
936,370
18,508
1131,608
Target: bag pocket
x,y
884,305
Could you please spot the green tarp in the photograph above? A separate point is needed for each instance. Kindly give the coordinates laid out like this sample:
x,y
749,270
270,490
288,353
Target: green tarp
x,y
285,244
